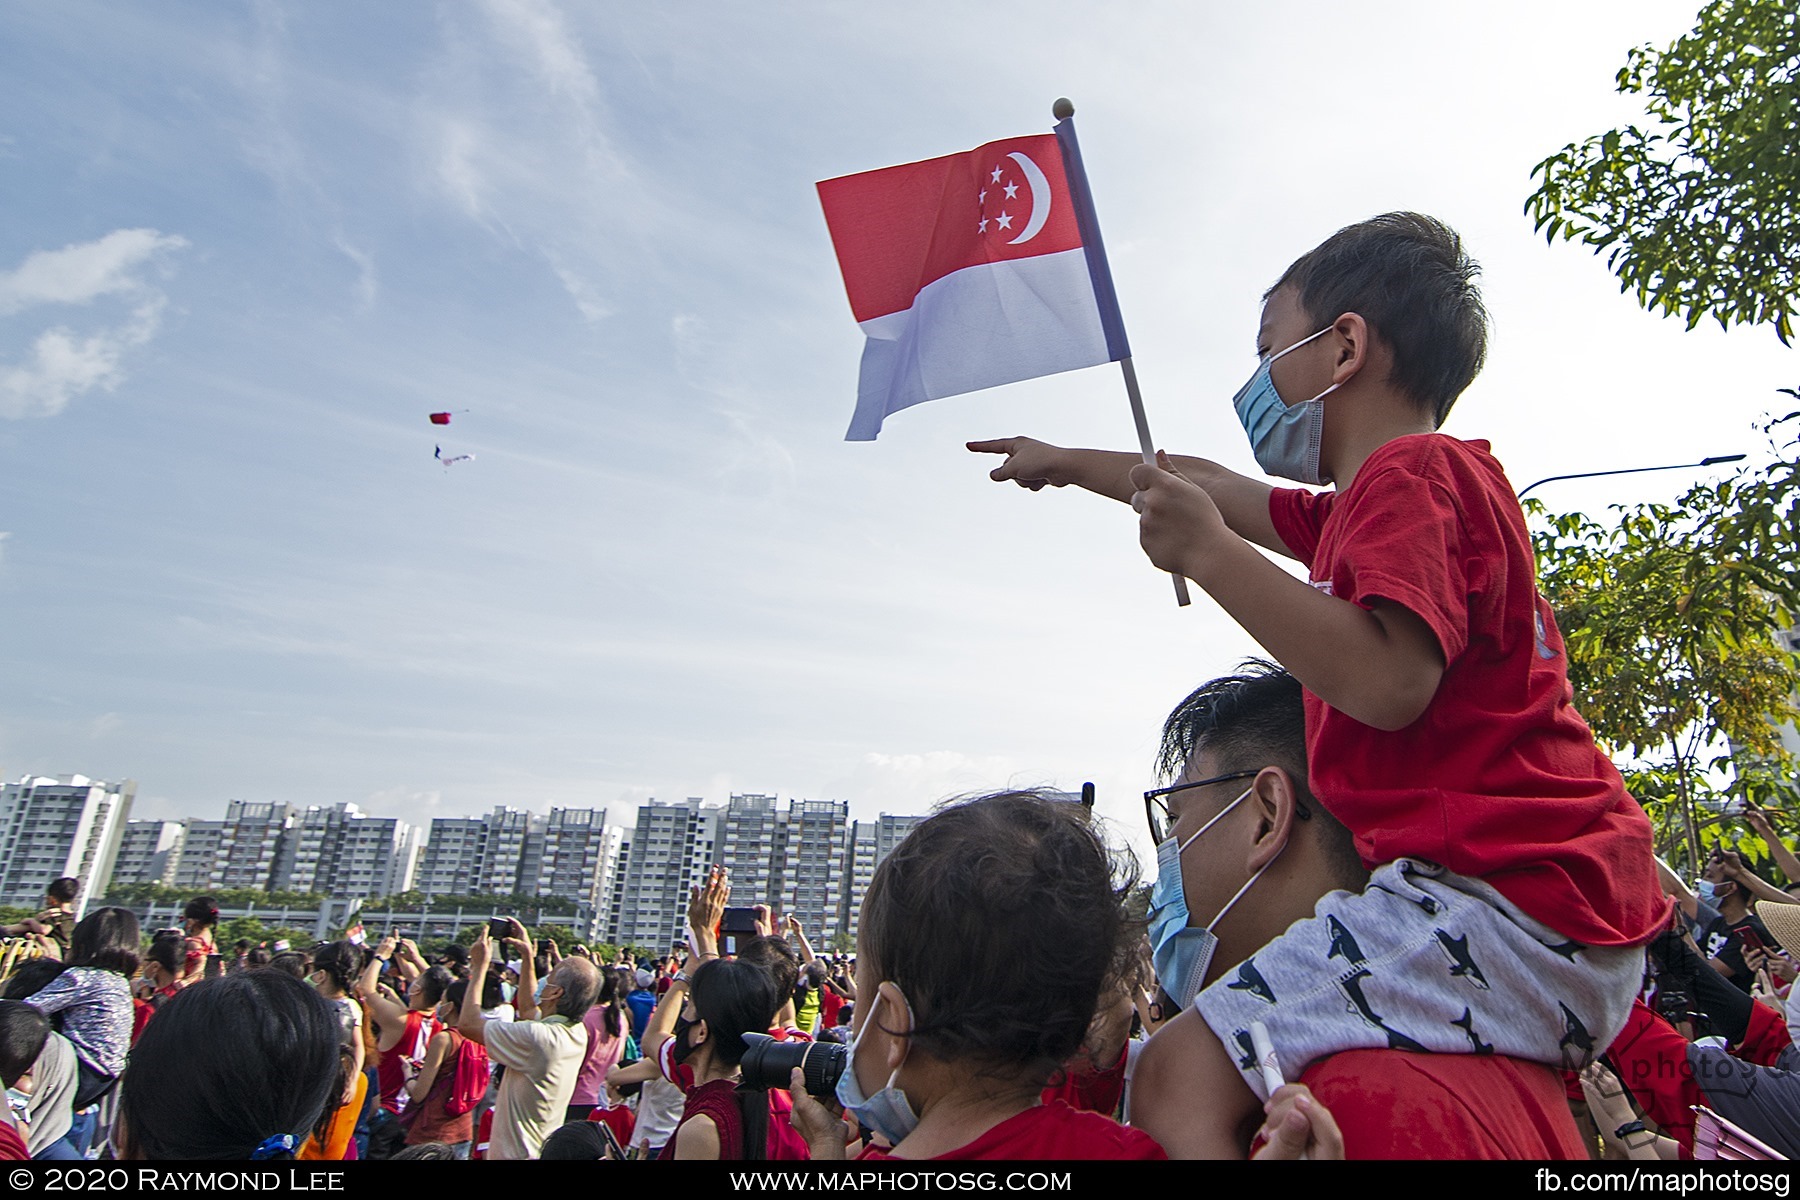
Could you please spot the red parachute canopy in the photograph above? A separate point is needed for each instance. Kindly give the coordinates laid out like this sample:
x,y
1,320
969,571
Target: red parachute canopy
x,y
442,418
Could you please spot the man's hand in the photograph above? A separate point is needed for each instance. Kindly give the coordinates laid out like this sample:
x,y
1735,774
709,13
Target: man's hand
x,y
793,926
1177,521
1029,463
823,1129
1298,1126
765,921
481,953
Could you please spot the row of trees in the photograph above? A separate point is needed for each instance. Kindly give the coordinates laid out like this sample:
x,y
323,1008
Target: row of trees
x,y
1675,615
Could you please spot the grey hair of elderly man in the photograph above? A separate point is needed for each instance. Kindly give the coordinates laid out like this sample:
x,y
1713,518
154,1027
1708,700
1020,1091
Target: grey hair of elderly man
x,y
579,981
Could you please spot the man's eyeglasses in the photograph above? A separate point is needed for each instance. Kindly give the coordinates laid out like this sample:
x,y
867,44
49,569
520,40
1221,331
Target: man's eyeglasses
x,y
1157,812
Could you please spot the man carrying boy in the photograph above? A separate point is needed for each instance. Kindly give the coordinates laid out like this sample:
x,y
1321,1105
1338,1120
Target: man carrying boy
x,y
1512,882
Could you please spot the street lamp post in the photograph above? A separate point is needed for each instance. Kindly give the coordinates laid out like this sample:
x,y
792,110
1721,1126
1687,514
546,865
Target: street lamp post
x,y
1705,462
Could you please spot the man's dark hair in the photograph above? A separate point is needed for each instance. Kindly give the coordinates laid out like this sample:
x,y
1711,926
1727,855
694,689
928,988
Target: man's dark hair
x,y
433,984
1247,721
106,938
23,1032
774,955
227,1063
733,997
1408,277
64,890
1002,921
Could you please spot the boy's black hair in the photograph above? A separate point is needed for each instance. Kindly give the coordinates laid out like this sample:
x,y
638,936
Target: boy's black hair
x,y
227,1063
733,997
106,938
1251,720
64,890
23,1032
1002,921
1407,275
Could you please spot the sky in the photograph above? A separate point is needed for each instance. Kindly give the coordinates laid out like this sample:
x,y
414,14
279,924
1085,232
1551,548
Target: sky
x,y
249,247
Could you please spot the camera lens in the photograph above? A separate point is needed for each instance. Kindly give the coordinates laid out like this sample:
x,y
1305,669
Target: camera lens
x,y
769,1064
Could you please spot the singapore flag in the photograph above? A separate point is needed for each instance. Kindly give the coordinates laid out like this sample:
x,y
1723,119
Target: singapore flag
x,y
967,272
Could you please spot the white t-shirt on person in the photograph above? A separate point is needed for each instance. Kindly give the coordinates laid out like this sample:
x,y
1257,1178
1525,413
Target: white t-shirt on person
x,y
542,1060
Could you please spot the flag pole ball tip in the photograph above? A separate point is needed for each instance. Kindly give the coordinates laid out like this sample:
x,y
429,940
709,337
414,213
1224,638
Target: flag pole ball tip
x,y
1063,109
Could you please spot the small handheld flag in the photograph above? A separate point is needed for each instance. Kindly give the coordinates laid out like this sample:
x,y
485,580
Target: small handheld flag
x,y
977,269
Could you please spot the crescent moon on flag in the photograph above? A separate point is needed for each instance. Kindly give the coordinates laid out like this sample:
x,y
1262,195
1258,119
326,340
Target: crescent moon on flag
x,y
1040,198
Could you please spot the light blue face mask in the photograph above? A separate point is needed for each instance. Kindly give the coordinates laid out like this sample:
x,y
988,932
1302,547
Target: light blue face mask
x,y
887,1112
1181,953
1286,439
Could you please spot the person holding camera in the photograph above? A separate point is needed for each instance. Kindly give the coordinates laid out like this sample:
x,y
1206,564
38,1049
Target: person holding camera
x,y
956,1036
542,1050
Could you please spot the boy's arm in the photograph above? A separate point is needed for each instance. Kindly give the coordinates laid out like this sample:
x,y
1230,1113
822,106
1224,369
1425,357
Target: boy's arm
x,y
1380,665
1242,501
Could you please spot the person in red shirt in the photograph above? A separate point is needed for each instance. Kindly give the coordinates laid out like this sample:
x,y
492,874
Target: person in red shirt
x,y
986,941
1440,728
1250,729
405,1029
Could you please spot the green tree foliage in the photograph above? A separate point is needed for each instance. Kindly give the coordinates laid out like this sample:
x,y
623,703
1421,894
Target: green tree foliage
x,y
1672,616
497,905
1699,212
162,896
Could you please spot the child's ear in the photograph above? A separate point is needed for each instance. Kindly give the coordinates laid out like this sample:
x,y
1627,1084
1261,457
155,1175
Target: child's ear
x,y
1353,344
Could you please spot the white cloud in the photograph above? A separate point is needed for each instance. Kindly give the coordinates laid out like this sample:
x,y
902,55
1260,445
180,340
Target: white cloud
x,y
537,28
64,363
78,274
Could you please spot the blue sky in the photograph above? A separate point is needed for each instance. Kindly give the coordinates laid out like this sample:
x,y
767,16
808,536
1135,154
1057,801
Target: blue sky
x,y
249,247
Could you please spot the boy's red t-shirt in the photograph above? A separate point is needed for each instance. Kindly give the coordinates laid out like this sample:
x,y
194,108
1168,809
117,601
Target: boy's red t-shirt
x,y
1500,778
1050,1131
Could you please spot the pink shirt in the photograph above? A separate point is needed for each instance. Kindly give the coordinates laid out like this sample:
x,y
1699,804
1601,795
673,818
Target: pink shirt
x,y
603,1052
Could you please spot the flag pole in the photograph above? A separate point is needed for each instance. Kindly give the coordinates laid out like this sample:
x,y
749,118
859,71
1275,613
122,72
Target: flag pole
x,y
1111,321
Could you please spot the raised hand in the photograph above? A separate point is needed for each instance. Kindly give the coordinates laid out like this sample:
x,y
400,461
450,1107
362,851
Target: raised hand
x,y
706,901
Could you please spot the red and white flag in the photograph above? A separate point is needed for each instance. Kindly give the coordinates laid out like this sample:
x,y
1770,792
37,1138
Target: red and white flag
x,y
970,271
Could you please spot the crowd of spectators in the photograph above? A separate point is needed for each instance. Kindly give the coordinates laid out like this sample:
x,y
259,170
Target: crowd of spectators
x,y
1403,906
